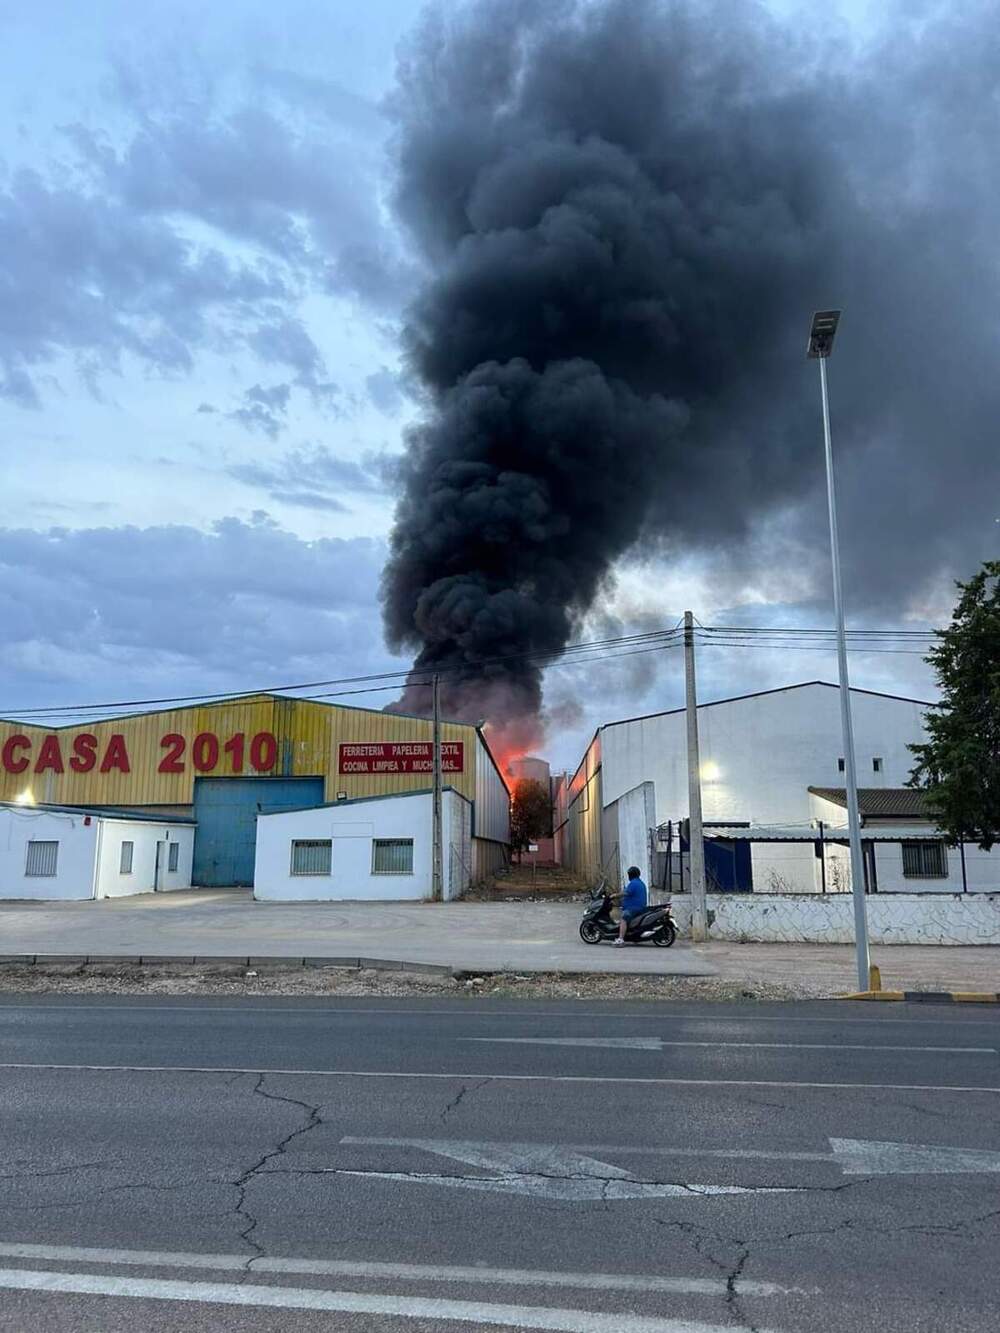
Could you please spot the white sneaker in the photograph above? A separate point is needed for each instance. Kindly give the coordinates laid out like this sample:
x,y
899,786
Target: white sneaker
x,y
619,942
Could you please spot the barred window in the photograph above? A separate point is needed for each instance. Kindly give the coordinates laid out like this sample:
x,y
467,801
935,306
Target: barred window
x,y
392,856
925,860
125,868
42,859
312,856
173,856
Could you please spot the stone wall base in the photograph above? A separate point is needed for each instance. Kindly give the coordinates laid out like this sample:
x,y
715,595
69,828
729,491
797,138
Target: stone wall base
x,y
812,918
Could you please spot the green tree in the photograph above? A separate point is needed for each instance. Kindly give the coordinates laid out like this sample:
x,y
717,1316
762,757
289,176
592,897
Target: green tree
x,y
959,764
530,813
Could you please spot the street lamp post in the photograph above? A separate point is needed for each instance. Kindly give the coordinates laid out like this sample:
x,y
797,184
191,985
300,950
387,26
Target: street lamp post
x,y
821,336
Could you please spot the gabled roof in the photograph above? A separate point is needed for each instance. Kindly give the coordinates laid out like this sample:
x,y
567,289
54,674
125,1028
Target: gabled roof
x,y
758,694
738,698
216,701
880,802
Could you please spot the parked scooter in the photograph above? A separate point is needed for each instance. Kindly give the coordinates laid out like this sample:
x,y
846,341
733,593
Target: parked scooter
x,y
654,925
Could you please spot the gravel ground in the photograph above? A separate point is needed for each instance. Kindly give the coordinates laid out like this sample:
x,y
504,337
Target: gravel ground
x,y
180,979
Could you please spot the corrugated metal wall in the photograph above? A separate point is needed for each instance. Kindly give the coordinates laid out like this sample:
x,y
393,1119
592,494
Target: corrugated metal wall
x,y
152,759
492,798
582,845
226,810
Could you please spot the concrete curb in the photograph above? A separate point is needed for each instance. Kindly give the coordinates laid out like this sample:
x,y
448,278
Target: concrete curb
x,y
353,963
928,996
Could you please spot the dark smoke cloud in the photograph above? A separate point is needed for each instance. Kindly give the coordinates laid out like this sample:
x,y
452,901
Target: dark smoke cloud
x,y
628,211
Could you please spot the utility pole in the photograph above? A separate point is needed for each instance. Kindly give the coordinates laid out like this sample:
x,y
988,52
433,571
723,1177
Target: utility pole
x,y
696,843
437,850
821,335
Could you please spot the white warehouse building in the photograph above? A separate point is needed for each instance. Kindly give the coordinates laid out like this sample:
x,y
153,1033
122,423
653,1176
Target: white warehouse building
x,y
773,806
374,848
72,852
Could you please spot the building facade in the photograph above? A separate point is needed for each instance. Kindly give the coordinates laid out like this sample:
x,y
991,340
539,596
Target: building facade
x,y
224,763
764,757
65,852
378,848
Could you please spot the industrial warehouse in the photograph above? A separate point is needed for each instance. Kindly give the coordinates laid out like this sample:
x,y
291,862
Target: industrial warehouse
x,y
772,775
327,791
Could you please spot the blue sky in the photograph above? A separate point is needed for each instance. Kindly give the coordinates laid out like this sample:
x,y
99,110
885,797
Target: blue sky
x,y
200,384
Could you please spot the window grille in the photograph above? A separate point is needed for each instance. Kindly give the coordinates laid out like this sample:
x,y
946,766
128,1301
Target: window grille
x,y
125,868
173,856
925,860
392,856
312,856
42,859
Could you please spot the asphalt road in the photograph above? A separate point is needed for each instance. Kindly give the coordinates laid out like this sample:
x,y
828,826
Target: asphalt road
x,y
360,1165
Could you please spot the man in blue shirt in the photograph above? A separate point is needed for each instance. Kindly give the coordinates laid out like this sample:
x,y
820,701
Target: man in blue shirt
x,y
635,896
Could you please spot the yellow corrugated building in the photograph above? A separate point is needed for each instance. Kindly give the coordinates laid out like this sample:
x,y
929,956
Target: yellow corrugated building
x,y
227,760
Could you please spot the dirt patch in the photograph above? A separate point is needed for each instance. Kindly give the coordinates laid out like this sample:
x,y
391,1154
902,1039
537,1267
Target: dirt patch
x,y
230,979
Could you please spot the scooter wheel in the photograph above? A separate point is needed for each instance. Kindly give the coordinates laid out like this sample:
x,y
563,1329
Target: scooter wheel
x,y
590,933
665,937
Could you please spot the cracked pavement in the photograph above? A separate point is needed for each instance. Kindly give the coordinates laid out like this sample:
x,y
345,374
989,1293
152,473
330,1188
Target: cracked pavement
x,y
246,1142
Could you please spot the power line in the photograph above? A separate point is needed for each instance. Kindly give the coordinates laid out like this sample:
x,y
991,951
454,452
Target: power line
x,y
786,638
395,680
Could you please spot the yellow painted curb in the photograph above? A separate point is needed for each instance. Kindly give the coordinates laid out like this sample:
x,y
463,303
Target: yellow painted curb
x,y
874,995
927,997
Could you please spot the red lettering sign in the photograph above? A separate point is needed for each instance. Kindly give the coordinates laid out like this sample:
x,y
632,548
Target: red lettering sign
x,y
389,757
116,755
84,755
11,746
49,756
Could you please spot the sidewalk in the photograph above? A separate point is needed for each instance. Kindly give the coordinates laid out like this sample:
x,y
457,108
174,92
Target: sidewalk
x,y
470,937
487,937
831,969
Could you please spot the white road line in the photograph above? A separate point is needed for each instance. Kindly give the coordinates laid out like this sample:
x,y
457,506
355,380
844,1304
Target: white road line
x,y
346,1302
567,1191
658,1043
519,1277
459,1007
565,1162
460,1076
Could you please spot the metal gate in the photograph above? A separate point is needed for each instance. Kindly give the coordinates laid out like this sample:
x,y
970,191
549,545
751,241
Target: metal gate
x,y
226,810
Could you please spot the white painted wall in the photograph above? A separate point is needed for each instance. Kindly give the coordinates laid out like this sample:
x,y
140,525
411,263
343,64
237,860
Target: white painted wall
x,y
893,918
89,858
785,867
75,861
353,826
760,755
144,836
982,869
627,821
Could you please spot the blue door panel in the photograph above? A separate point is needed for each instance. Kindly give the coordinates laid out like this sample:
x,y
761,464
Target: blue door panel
x,y
226,811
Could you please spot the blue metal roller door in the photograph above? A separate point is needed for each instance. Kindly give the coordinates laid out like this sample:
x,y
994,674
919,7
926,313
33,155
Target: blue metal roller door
x,y
226,811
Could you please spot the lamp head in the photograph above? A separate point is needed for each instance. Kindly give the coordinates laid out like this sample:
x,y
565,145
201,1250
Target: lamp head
x,y
822,334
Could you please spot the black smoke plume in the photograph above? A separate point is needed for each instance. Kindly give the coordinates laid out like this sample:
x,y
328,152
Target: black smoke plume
x,y
628,212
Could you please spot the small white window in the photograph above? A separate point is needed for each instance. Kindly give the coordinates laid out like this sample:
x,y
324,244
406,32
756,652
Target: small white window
x,y
925,860
125,868
173,856
41,860
392,856
876,765
312,856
